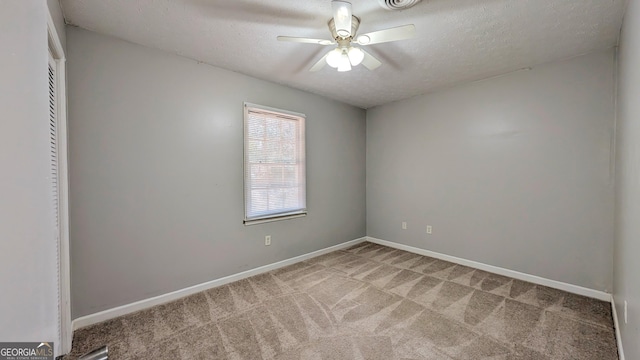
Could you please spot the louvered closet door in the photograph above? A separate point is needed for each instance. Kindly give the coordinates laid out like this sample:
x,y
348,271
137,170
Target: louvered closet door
x,y
54,171
53,144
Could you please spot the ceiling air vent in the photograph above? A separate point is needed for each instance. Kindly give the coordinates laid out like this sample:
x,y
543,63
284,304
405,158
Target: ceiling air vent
x,y
397,4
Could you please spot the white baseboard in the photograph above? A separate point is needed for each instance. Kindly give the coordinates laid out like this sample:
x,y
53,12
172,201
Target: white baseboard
x,y
161,299
575,289
616,325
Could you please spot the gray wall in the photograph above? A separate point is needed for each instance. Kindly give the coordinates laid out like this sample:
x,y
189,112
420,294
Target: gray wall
x,y
156,173
28,287
513,171
627,240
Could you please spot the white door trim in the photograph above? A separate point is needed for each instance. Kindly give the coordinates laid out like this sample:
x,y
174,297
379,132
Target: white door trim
x,y
616,325
65,335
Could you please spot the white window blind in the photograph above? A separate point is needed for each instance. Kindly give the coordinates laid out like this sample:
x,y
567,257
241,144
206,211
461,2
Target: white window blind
x,y
274,164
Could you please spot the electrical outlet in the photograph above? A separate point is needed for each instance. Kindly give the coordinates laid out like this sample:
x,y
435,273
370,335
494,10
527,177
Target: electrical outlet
x,y
626,320
267,240
404,225
429,229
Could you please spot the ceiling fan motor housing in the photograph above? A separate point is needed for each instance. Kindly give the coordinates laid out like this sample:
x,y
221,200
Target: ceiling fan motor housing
x,y
355,23
397,4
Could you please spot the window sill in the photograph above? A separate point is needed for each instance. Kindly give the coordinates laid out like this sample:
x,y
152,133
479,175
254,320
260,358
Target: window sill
x,y
275,218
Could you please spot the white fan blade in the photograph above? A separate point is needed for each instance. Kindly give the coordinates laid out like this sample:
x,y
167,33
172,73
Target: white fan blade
x,y
370,62
306,40
393,34
320,64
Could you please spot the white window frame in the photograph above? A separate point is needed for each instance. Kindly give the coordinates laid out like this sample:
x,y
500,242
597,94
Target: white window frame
x,y
57,60
275,216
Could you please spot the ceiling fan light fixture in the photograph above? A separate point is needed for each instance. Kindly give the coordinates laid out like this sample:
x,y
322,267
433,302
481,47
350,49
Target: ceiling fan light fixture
x,y
355,56
342,17
334,57
345,64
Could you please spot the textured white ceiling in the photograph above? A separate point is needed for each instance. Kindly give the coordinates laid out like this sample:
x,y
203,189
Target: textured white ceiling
x,y
456,40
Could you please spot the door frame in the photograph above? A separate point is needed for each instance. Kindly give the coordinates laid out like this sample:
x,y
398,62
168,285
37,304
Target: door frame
x,y
65,330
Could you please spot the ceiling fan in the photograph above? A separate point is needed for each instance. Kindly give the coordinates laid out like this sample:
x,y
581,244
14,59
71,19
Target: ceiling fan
x,y
343,27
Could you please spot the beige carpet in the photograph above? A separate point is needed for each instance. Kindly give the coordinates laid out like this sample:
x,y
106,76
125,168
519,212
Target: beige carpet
x,y
367,302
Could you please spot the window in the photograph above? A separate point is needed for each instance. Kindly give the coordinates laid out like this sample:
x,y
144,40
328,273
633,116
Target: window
x,y
274,164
